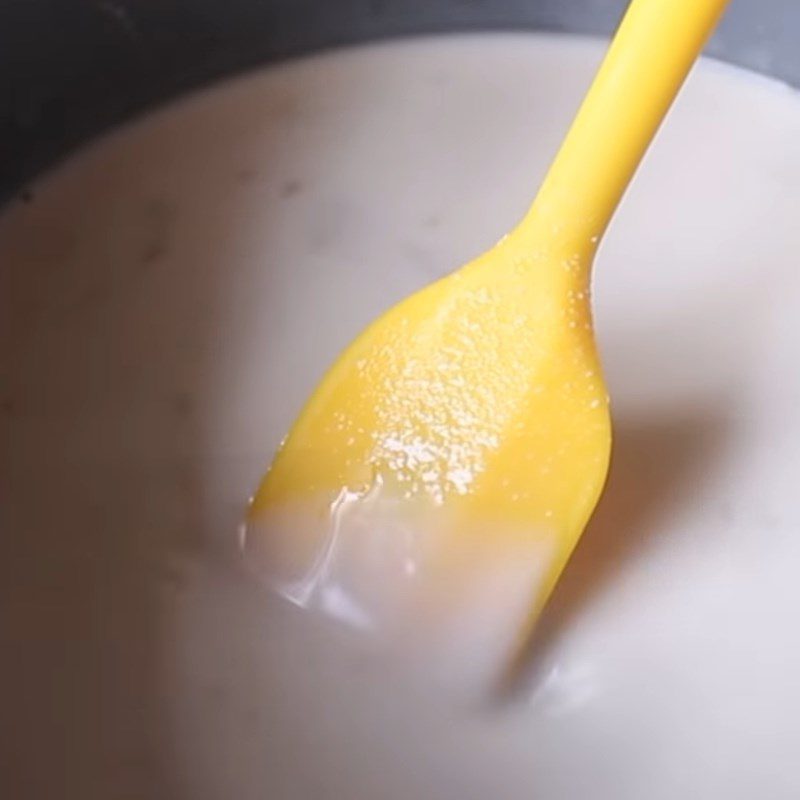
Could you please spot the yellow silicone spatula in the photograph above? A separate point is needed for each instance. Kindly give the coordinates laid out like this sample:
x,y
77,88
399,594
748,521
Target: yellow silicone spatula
x,y
479,401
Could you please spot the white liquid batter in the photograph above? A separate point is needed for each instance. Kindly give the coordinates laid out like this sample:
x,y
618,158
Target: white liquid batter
x,y
171,295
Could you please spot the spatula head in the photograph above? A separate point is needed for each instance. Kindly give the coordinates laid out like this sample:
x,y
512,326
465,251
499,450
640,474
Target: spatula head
x,y
476,404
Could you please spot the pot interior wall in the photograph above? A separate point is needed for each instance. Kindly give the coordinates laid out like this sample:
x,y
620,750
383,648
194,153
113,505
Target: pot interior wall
x,y
71,68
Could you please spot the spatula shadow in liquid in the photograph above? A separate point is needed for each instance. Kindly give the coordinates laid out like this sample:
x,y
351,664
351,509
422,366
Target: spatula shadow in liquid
x,y
656,469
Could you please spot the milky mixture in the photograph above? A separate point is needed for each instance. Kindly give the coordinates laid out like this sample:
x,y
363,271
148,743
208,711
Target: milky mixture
x,y
170,296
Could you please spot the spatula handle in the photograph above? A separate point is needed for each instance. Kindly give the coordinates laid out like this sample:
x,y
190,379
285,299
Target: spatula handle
x,y
651,54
